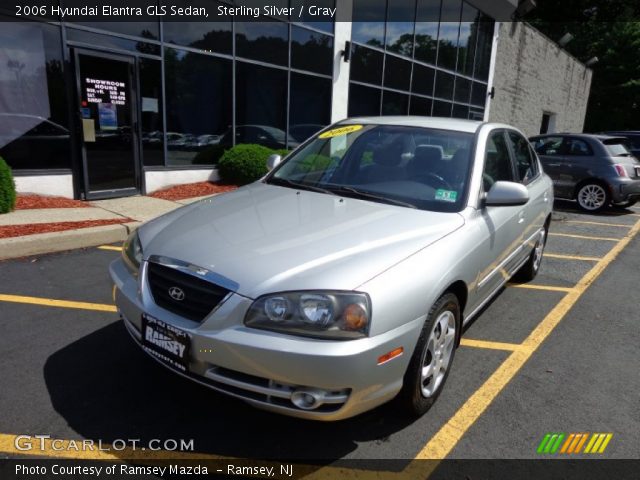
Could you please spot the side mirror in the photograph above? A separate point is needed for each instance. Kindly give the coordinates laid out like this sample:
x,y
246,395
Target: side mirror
x,y
503,194
273,161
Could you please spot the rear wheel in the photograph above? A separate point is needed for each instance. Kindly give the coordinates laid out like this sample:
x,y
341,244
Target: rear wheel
x,y
530,269
431,361
593,197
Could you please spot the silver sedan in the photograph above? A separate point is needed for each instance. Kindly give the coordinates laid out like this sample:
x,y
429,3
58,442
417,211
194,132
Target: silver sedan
x,y
344,277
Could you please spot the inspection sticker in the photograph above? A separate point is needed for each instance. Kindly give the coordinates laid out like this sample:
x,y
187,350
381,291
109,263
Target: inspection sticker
x,y
336,132
446,195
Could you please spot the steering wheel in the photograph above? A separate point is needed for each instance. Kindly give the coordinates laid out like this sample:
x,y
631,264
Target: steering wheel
x,y
439,181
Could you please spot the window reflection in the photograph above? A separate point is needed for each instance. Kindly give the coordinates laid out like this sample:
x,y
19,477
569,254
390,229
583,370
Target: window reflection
x,y
311,51
448,34
309,109
151,123
368,22
211,37
397,73
264,41
399,28
394,103
198,99
366,65
149,30
34,124
363,101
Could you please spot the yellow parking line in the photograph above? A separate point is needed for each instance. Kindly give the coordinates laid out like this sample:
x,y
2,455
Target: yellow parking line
x,y
472,342
584,237
110,247
443,442
603,224
549,288
572,257
49,302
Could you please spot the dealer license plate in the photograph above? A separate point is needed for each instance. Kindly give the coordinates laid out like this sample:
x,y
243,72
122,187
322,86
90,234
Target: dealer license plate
x,y
166,342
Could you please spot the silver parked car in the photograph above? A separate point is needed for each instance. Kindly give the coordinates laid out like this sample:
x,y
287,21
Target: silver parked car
x,y
344,277
595,170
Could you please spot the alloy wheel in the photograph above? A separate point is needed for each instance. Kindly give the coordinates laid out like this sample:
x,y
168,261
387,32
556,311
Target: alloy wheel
x,y
592,197
437,354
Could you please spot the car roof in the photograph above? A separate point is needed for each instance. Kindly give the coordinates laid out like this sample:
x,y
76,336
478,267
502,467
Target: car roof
x,y
442,123
597,136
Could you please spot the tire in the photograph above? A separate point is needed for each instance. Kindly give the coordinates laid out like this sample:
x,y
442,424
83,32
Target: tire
x,y
593,197
530,269
627,204
437,346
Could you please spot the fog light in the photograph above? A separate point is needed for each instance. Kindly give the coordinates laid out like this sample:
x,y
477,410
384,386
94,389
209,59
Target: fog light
x,y
306,400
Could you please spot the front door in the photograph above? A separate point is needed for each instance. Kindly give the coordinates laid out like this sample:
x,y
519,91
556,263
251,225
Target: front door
x,y
107,116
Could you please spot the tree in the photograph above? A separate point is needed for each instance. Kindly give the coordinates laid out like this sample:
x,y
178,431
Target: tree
x,y
602,29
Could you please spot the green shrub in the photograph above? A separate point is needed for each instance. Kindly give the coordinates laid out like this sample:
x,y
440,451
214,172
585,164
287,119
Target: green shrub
x,y
7,188
313,163
209,156
244,163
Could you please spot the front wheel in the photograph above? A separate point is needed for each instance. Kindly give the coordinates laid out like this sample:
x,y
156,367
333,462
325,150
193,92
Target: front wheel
x,y
593,197
431,361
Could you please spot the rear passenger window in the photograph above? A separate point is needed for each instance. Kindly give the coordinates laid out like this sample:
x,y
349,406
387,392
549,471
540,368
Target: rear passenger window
x,y
497,164
526,164
578,147
548,145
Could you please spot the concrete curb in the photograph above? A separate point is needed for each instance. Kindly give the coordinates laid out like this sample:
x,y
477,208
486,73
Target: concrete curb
x,y
15,247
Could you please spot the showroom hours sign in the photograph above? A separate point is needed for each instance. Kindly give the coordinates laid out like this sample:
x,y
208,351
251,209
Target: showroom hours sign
x,y
98,90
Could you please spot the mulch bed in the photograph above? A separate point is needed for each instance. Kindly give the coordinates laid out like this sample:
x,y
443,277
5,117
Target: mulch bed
x,y
180,192
30,229
28,202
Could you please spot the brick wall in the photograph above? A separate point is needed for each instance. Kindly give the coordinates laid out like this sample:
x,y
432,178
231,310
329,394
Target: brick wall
x,y
533,75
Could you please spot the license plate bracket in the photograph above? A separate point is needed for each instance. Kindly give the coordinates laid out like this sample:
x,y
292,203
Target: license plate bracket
x,y
165,342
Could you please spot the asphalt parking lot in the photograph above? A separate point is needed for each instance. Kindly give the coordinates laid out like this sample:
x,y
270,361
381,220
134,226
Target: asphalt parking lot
x,y
557,355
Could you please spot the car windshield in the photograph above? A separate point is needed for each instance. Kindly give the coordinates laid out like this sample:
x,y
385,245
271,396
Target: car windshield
x,y
409,166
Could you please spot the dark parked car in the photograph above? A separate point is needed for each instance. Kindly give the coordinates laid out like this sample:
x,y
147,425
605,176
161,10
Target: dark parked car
x,y
594,170
633,140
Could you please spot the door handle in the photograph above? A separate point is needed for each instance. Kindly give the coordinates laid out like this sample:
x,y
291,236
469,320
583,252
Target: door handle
x,y
521,216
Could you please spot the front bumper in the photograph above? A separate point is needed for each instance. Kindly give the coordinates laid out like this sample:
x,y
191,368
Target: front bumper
x,y
265,368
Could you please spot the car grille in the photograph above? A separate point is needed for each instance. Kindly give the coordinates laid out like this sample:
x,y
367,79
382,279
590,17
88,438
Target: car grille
x,y
200,296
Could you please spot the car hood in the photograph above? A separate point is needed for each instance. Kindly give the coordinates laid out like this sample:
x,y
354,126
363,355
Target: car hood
x,y
267,238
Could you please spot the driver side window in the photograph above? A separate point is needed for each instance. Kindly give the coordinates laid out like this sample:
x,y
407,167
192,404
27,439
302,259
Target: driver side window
x,y
497,163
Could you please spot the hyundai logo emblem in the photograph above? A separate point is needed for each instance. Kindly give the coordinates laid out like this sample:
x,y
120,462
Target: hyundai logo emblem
x,y
176,293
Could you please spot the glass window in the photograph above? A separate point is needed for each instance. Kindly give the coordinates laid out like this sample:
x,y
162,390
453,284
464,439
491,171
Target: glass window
x,y
311,51
198,102
448,34
264,41
261,103
617,147
309,107
444,85
478,94
460,111
526,164
207,36
364,101
462,90
368,22
476,113
112,42
422,80
386,164
575,146
394,103
400,22
420,106
149,30
497,163
548,145
308,19
397,73
34,123
483,48
467,41
427,22
151,106
441,109
366,65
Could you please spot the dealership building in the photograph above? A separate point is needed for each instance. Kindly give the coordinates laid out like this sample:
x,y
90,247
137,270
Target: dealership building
x,y
105,109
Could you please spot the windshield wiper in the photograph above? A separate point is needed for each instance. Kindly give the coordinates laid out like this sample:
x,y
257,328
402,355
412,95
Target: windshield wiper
x,y
285,182
354,192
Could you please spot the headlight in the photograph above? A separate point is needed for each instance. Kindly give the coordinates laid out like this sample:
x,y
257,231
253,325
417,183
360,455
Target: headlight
x,y
321,314
132,251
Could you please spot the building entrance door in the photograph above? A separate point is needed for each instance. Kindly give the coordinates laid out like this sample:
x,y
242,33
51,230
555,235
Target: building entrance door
x,y
107,116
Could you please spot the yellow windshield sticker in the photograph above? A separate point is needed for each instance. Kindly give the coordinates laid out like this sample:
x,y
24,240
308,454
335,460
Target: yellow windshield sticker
x,y
336,132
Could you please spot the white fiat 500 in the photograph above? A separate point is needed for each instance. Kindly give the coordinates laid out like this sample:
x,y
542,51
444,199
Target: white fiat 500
x,y
344,277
